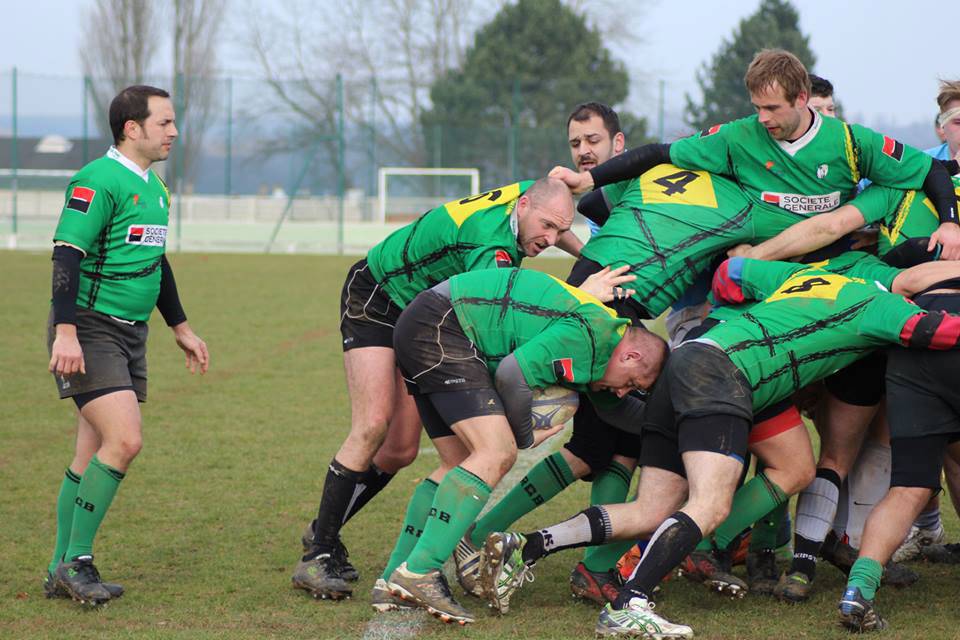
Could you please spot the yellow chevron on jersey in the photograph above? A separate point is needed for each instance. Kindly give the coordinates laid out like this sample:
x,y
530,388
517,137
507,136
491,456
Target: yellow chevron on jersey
x,y
460,210
820,284
668,184
583,297
851,154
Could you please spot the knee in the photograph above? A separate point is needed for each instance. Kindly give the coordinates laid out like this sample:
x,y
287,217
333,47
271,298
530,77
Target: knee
x,y
804,478
127,446
394,460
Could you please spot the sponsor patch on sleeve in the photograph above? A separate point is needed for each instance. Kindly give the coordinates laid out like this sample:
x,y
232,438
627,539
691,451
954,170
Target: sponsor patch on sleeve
x,y
892,148
503,258
563,369
149,235
81,198
712,130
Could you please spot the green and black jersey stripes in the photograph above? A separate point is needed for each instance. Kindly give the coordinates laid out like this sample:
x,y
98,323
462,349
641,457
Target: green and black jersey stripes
x,y
809,323
669,225
902,215
117,214
478,232
558,333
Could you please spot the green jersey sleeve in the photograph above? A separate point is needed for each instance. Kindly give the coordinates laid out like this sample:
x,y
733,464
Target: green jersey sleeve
x,y
739,280
889,162
613,193
707,150
857,264
491,257
561,355
87,209
876,202
886,316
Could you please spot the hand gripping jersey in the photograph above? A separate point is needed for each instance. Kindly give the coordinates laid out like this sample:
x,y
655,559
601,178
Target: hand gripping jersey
x,y
477,232
810,321
902,215
816,173
668,225
558,333
117,214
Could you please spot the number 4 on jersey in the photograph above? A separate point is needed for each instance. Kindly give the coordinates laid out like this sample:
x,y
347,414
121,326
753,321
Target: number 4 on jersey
x,y
668,184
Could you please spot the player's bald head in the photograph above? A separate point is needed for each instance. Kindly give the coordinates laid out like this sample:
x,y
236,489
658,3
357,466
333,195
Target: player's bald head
x,y
548,190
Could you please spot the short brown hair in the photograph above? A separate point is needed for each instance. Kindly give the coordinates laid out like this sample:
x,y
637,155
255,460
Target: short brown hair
x,y
949,91
776,66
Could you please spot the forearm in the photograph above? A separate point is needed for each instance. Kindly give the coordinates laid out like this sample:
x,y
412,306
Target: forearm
x,y
569,241
809,235
923,276
66,284
939,189
168,302
630,164
517,398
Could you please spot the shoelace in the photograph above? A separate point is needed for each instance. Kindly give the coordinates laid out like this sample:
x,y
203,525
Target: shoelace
x,y
88,572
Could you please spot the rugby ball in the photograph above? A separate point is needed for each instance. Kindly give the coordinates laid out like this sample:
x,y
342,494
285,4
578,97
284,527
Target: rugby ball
x,y
553,406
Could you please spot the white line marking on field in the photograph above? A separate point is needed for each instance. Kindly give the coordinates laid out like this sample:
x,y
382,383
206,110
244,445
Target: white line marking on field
x,y
404,625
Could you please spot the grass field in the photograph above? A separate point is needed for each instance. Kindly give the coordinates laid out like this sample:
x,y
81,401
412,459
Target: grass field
x,y
205,530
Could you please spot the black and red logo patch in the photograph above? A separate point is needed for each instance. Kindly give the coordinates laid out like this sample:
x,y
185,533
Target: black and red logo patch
x,y
135,234
503,258
80,199
892,148
712,130
563,369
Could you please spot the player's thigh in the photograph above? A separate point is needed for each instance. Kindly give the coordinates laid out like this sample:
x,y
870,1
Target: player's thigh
x,y
371,383
788,458
116,419
842,427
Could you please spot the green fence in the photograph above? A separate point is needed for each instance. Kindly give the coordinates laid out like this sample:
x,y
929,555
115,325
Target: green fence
x,y
263,165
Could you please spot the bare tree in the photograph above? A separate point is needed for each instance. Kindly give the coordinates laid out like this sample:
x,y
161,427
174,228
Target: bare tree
x,y
119,38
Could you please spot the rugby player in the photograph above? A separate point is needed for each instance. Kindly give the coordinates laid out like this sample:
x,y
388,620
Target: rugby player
x,y
109,272
821,96
472,349
493,229
809,322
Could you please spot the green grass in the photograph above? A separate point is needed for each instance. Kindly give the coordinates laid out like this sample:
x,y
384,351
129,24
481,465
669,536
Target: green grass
x,y
205,530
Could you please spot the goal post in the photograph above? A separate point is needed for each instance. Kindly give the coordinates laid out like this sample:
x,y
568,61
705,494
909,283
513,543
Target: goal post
x,y
385,173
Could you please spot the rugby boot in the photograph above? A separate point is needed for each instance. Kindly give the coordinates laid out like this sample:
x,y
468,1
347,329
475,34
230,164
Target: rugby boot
x,y
81,581
502,569
466,557
638,620
793,587
942,553
340,556
898,575
762,571
858,614
51,589
430,591
382,600
320,576
916,540
838,553
714,570
597,586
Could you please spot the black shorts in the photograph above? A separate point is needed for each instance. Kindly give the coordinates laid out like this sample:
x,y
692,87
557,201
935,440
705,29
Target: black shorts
x,y
114,355
918,461
437,359
596,442
630,309
367,314
861,383
923,397
702,402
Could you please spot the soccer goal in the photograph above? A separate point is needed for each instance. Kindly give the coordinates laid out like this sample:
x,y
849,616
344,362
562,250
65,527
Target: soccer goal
x,y
405,192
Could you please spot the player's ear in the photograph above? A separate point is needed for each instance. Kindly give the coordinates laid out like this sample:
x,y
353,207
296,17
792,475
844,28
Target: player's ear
x,y
619,143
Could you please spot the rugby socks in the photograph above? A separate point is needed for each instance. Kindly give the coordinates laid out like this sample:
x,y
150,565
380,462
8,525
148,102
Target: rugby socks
x,y
815,511
751,502
374,480
65,503
95,492
928,519
673,541
591,526
766,531
459,499
610,486
546,479
413,522
338,493
865,574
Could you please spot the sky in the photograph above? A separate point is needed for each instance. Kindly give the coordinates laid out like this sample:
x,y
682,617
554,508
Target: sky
x,y
883,57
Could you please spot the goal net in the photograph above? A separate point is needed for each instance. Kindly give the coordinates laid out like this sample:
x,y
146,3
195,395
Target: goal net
x,y
406,192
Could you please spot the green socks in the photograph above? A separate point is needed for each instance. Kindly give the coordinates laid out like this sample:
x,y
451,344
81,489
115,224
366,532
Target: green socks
x,y
94,494
459,500
546,479
866,574
417,510
65,502
767,528
610,486
752,501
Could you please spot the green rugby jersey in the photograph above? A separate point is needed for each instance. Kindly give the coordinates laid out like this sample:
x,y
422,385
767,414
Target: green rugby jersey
x,y
904,214
810,322
117,214
668,225
558,333
477,232
816,173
